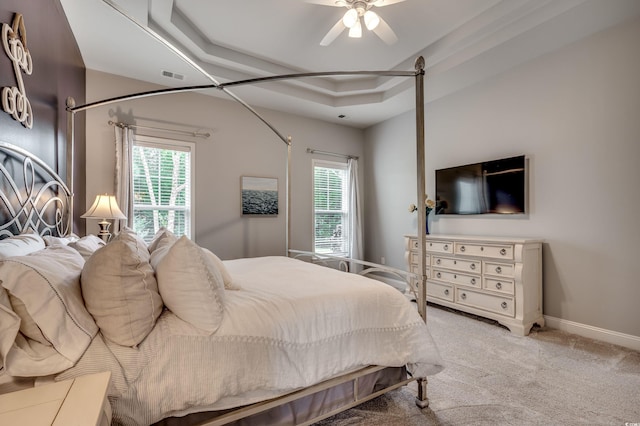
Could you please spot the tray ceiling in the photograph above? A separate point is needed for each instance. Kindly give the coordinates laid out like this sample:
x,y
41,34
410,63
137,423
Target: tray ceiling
x,y
463,42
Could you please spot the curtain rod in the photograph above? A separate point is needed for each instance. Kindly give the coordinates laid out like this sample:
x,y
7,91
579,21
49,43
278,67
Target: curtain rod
x,y
184,132
334,154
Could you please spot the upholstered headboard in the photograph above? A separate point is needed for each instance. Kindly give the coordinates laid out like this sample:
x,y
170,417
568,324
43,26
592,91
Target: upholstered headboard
x,y
32,196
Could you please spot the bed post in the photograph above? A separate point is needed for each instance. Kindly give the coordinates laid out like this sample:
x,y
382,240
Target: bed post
x,y
420,153
71,102
288,210
422,400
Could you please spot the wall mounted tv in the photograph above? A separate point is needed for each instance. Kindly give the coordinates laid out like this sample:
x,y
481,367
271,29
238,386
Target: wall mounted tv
x,y
494,187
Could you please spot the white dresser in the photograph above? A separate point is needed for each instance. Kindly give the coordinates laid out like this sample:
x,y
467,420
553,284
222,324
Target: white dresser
x,y
493,277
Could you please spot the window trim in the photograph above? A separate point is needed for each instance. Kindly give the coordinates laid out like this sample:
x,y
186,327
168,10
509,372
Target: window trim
x,y
175,145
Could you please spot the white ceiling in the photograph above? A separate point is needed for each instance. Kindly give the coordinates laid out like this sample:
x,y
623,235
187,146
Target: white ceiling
x,y
463,42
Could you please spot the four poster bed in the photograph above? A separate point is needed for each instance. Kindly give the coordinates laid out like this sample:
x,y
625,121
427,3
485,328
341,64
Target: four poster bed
x,y
188,338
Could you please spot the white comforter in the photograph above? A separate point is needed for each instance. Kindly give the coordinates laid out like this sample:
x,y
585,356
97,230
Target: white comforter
x,y
291,325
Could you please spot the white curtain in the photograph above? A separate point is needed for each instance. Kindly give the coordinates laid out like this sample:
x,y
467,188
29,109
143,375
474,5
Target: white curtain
x,y
123,183
355,225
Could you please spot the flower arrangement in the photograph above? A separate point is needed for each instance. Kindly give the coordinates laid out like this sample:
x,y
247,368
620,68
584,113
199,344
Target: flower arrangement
x,y
429,205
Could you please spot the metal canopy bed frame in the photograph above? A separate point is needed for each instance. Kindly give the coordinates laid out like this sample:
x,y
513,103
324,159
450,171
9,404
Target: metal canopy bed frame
x,y
416,281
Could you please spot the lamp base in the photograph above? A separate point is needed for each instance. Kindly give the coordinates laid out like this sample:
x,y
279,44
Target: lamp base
x,y
104,233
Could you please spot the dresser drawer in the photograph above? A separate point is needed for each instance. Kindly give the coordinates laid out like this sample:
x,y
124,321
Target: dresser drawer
x,y
440,290
458,264
413,259
440,246
488,302
416,269
499,269
457,278
502,251
505,286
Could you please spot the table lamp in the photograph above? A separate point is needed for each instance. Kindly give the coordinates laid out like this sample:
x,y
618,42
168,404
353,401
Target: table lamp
x,y
104,207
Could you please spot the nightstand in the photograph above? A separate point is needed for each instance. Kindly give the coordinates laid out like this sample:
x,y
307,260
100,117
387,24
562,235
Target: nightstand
x,y
81,401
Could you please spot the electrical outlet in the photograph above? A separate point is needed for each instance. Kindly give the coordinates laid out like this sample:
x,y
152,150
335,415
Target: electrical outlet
x,y
383,261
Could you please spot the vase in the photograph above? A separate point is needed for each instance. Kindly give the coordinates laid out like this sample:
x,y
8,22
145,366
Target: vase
x,y
426,224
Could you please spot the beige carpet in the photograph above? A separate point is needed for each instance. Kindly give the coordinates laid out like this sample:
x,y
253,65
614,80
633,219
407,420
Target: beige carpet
x,y
494,378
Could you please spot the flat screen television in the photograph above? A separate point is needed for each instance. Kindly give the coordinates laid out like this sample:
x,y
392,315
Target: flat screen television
x,y
497,187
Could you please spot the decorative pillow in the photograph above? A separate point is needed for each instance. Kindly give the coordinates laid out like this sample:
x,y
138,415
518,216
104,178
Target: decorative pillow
x,y
229,284
46,287
161,248
121,291
139,240
87,245
191,286
20,245
160,235
50,240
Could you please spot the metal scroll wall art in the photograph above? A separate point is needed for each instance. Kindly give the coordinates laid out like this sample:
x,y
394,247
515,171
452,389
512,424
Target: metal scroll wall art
x,y
14,99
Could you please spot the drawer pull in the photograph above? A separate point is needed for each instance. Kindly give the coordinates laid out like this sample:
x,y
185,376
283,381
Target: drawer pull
x,y
504,305
438,261
473,266
503,252
446,246
481,248
446,292
473,281
455,262
439,275
499,286
462,248
498,270
463,296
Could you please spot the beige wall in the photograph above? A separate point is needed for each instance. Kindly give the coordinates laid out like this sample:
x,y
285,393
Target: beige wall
x,y
575,114
239,145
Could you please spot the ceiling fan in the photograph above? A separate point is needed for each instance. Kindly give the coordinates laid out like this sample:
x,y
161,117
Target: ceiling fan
x,y
357,11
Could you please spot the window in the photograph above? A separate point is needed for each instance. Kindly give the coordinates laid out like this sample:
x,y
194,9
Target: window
x,y
331,208
162,172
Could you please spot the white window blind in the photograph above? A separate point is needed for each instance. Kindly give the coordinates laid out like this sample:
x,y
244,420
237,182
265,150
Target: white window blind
x,y
162,186
331,208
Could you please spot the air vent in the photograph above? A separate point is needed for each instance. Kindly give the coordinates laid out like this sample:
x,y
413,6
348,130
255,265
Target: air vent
x,y
173,75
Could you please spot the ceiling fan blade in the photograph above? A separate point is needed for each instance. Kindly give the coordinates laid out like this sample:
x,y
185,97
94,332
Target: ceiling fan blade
x,y
384,31
333,33
380,3
336,3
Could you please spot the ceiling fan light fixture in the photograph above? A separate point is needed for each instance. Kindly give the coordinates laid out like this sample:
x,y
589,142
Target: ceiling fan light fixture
x,y
356,30
350,18
371,20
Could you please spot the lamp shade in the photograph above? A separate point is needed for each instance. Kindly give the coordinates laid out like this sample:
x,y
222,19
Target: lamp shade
x,y
350,18
356,30
371,20
104,207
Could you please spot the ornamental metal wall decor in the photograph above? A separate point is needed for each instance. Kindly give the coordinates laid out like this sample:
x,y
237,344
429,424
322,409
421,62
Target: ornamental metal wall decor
x,y
14,99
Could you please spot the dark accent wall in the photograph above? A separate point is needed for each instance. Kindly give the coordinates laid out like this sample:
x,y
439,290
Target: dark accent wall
x,y
58,72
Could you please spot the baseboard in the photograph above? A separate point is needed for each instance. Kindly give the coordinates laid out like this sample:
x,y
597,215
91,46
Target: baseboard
x,y
613,337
